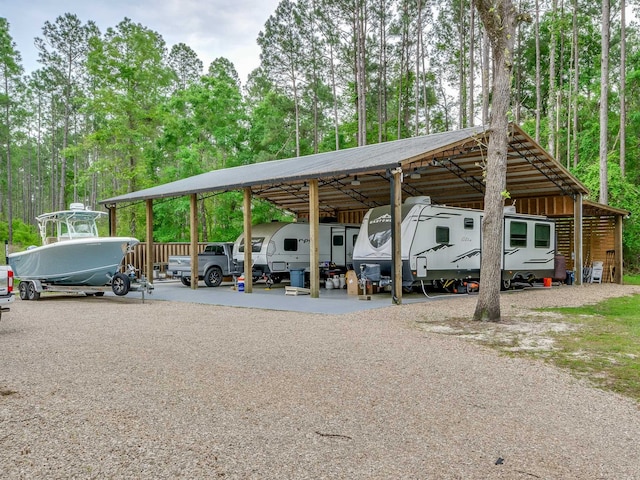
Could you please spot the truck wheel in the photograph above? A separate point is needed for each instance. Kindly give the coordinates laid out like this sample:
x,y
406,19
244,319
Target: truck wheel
x,y
32,293
186,281
120,284
23,291
213,277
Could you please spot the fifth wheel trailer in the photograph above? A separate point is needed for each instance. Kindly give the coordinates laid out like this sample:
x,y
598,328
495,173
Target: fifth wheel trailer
x,y
443,245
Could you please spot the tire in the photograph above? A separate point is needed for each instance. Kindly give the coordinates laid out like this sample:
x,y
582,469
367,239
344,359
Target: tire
x,y
23,291
120,284
99,294
213,277
505,285
32,294
186,281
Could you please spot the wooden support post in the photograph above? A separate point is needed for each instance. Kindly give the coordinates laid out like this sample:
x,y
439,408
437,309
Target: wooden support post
x,y
112,220
396,242
150,256
314,234
577,238
193,226
619,273
248,262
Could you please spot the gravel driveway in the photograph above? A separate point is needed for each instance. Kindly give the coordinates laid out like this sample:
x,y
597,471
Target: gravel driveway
x,y
114,388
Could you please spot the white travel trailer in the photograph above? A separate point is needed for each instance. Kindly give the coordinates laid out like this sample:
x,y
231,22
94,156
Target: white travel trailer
x,y
442,245
279,247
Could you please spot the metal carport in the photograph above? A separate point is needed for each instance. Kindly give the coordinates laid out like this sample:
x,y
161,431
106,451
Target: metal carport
x,y
344,184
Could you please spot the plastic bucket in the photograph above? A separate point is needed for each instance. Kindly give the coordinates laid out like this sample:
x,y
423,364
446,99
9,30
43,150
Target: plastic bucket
x,y
241,283
546,282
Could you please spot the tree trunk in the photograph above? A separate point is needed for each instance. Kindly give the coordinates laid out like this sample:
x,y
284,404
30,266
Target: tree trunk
x,y
485,78
499,19
576,83
604,103
472,39
551,98
623,88
538,76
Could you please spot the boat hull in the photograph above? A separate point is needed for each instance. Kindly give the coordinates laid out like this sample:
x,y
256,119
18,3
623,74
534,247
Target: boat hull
x,y
90,262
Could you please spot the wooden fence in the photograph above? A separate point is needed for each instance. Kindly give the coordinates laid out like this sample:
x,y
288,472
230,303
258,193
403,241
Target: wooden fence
x,y
161,252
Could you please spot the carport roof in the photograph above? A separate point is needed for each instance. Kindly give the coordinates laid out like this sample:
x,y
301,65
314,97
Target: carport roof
x,y
448,167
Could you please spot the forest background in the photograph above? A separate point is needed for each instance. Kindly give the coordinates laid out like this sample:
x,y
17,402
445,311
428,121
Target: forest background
x,y
117,111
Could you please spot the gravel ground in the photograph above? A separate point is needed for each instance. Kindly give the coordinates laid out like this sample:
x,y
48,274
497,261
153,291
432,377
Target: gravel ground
x,y
114,388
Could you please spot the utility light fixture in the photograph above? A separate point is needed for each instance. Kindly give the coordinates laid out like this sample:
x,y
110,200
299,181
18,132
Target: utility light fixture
x,y
415,175
355,181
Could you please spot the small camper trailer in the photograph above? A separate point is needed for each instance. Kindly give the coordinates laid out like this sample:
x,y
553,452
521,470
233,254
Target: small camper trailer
x,y
442,245
279,247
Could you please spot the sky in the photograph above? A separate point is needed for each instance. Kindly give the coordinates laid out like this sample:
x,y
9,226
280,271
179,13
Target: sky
x,y
212,28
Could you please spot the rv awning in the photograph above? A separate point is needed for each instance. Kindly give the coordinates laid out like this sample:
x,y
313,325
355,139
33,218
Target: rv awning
x,y
448,167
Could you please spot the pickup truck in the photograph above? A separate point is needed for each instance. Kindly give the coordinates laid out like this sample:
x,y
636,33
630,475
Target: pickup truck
x,y
6,288
215,263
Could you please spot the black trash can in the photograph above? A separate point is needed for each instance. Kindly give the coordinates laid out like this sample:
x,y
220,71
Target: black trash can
x,y
570,277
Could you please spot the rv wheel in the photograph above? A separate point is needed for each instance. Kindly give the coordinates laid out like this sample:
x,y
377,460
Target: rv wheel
x,y
120,284
23,291
32,293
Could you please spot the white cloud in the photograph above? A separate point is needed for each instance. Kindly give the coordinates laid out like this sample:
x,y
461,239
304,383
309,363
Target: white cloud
x,y
213,28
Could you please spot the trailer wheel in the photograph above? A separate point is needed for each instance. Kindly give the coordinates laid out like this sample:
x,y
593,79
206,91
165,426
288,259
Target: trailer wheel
x,y
186,281
213,277
505,284
32,293
120,284
23,291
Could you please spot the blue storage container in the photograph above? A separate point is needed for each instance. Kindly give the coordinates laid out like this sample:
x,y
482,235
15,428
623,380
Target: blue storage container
x,y
297,277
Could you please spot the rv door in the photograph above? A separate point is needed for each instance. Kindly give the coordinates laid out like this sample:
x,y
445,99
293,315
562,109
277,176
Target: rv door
x,y
338,251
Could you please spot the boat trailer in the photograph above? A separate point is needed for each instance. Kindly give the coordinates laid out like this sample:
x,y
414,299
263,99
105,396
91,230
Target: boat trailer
x,y
120,284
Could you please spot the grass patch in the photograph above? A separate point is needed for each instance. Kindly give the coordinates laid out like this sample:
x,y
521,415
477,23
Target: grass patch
x,y
631,279
606,347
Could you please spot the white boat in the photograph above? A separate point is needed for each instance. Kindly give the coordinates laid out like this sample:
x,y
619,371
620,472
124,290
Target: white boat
x,y
72,252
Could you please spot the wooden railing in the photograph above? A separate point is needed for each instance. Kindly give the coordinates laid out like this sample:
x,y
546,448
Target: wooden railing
x,y
161,252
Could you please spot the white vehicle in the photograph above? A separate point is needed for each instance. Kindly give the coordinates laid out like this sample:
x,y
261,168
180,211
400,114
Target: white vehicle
x,y
279,247
442,245
6,288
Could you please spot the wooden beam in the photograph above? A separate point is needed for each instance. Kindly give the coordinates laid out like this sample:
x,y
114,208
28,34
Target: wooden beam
x,y
112,221
618,264
248,262
193,226
577,237
397,240
314,236
150,256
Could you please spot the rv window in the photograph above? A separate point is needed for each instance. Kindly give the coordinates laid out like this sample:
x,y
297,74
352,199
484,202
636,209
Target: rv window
x,y
543,235
256,244
442,235
338,241
290,244
468,223
518,234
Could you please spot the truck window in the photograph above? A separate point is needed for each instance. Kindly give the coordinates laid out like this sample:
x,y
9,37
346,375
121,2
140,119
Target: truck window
x,y
442,235
290,244
542,235
518,234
